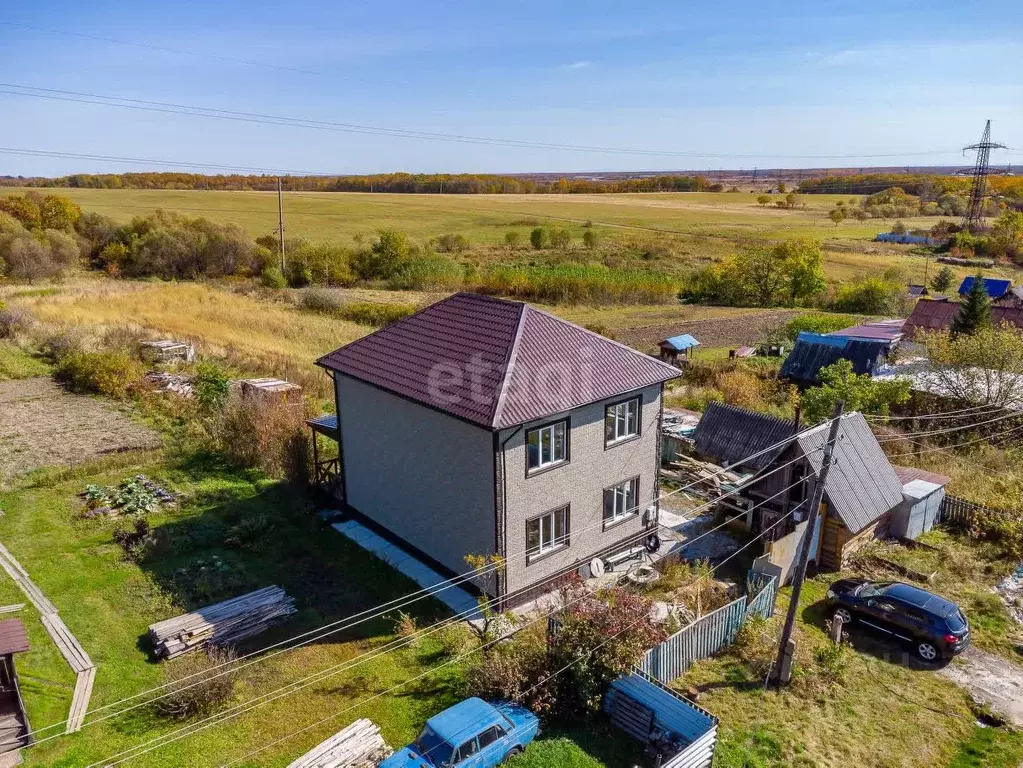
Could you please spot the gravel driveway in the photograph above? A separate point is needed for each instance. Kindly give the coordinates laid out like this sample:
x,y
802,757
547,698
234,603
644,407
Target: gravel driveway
x,y
990,680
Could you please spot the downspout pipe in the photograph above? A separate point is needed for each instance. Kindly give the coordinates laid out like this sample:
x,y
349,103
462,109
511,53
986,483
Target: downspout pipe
x,y
501,506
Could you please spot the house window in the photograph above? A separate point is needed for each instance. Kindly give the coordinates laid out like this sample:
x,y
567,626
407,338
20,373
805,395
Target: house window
x,y
621,501
621,421
547,532
547,446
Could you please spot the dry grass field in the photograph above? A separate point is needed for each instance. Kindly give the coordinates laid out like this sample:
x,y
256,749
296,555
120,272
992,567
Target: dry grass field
x,y
679,229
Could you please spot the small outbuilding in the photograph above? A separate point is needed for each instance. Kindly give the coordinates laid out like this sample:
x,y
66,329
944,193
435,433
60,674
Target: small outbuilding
x,y
13,720
271,390
677,346
922,494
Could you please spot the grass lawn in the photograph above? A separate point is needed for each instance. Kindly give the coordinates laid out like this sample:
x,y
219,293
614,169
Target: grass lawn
x,y
593,744
965,572
880,714
15,363
109,601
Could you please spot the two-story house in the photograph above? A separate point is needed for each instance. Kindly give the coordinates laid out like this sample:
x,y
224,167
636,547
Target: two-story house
x,y
485,426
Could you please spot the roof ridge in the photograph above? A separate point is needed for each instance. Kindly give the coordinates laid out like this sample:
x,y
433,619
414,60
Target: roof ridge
x,y
751,412
603,338
509,363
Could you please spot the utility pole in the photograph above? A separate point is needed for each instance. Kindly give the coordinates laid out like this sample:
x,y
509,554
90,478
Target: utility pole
x,y
974,217
280,221
784,660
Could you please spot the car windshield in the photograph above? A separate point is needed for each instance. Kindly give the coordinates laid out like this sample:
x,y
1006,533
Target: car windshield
x,y
873,590
955,621
433,747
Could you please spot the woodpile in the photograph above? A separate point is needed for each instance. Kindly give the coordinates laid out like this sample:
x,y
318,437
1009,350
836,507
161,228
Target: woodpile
x,y
221,624
360,745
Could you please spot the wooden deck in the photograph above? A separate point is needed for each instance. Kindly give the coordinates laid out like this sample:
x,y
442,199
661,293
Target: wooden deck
x,y
72,651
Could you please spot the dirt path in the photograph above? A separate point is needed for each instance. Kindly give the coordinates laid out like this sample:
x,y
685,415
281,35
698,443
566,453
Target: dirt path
x,y
990,680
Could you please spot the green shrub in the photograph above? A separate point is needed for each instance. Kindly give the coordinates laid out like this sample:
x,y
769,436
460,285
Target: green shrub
x,y
272,277
578,284
251,532
368,313
321,300
13,322
561,238
452,243
427,273
211,385
193,690
540,238
872,296
817,322
107,373
513,239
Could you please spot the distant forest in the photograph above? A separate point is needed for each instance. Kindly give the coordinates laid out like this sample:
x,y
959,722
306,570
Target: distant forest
x,y
456,184
922,185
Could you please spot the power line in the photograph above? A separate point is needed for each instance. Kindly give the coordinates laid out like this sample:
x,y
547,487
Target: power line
x,y
326,673
542,682
57,94
929,433
393,605
937,415
956,445
172,163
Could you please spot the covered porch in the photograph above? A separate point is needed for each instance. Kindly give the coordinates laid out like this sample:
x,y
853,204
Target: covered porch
x,y
327,458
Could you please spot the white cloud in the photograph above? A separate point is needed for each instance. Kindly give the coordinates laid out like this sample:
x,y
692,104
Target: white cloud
x,y
576,65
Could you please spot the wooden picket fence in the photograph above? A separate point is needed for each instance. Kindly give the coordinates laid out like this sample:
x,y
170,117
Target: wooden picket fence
x,y
961,513
710,633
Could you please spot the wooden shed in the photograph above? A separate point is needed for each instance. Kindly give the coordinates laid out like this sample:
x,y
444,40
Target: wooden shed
x,y
677,346
13,720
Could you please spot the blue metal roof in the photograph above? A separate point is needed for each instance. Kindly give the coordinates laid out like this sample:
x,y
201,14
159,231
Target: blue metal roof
x,y
464,720
682,342
995,287
831,340
809,355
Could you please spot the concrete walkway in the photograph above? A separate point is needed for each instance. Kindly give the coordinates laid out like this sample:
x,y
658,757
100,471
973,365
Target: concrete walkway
x,y
454,597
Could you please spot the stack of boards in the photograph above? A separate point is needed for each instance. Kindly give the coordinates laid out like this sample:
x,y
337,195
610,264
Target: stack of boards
x,y
222,624
360,745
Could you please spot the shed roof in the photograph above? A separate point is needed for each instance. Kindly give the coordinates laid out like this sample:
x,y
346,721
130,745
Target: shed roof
x,y
495,363
881,330
862,485
907,475
808,357
728,433
13,638
680,343
995,287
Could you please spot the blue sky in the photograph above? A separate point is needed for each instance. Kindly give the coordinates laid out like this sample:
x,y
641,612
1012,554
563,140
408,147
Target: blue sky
x,y
743,83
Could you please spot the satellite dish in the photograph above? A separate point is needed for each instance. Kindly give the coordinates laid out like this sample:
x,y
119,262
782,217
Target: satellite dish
x,y
596,568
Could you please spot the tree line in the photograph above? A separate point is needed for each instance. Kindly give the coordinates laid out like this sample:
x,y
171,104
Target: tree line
x,y
927,187
405,183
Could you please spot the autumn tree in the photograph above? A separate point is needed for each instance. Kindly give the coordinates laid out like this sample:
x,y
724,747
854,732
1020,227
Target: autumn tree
x,y
56,212
803,265
837,215
763,199
985,368
762,272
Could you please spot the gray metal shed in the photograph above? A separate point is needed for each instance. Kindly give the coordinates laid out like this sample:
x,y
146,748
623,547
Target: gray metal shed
x,y
922,494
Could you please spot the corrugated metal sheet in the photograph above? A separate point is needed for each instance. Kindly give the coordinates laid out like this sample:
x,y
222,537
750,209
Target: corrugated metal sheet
x,y
495,363
680,343
673,712
995,287
807,357
882,330
909,474
709,634
938,315
13,638
728,433
861,485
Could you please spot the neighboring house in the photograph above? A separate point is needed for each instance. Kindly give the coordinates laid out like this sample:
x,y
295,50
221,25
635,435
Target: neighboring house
x,y
862,488
996,288
939,315
484,426
728,434
916,290
814,351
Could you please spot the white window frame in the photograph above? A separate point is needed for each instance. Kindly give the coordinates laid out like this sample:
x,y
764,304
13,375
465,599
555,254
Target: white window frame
x,y
549,541
622,509
548,431
620,413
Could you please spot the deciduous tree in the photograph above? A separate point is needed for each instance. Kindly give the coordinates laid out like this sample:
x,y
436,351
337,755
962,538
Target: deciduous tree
x,y
985,368
859,392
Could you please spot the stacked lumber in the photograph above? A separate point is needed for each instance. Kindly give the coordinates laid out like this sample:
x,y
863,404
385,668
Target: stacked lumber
x,y
221,624
360,745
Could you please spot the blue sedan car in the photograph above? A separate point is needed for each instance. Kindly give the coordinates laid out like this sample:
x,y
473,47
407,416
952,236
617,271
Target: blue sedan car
x,y
471,734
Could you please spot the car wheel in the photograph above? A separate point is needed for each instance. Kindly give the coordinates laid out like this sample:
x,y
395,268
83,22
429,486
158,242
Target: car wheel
x,y
845,615
926,651
511,753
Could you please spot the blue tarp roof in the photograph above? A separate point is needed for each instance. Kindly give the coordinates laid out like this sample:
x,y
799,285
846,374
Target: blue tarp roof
x,y
807,357
832,340
995,287
684,341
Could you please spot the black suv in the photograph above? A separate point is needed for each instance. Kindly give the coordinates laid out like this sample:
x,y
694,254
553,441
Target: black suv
x,y
935,626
